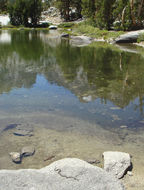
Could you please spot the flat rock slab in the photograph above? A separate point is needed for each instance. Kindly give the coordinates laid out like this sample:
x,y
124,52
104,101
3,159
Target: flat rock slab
x,y
80,41
116,163
66,174
129,37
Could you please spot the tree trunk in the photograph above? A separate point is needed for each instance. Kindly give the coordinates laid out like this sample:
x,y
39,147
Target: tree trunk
x,y
67,9
140,11
123,15
132,12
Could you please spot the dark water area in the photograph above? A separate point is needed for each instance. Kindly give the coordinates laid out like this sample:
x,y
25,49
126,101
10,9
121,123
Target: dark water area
x,y
100,84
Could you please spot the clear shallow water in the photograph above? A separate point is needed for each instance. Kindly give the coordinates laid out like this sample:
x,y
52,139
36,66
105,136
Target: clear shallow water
x,y
39,72
75,98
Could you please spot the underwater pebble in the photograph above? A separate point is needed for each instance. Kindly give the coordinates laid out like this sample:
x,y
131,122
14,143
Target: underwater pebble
x,y
15,156
130,173
27,151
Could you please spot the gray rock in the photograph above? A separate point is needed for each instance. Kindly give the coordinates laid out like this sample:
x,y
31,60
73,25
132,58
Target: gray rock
x,y
66,174
52,27
64,35
79,41
129,37
15,156
23,130
116,163
27,151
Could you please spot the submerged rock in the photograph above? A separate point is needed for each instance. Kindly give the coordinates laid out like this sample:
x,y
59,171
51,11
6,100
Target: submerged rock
x,y
66,174
79,41
16,157
27,151
10,126
116,163
23,130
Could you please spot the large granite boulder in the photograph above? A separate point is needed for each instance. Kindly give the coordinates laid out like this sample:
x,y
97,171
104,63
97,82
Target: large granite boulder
x,y
66,174
116,163
129,37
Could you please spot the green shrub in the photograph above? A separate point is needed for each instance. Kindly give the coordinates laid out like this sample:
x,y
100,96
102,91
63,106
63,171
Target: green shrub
x,y
86,29
140,38
66,25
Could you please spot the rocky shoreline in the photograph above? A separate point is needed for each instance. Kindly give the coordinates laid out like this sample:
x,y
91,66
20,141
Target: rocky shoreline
x,y
70,173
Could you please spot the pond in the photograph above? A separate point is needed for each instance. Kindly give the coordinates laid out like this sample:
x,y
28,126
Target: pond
x,y
80,101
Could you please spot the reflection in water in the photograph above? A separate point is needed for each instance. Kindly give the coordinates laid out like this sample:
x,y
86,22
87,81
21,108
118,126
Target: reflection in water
x,y
107,82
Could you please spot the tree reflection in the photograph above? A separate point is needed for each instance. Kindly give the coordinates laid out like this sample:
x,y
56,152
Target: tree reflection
x,y
99,71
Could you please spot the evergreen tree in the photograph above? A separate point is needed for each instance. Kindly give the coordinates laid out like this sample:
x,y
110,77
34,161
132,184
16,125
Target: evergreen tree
x,y
21,11
65,7
3,5
89,8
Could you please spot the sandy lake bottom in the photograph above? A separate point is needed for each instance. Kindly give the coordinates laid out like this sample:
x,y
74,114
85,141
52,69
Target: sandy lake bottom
x,y
56,137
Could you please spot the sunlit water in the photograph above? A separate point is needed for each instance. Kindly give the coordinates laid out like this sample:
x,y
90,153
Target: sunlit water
x,y
80,100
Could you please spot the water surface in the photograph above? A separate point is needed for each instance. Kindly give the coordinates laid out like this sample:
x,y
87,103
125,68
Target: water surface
x,y
77,98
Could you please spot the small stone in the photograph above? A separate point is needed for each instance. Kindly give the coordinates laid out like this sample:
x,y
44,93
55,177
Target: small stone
x,y
15,156
130,173
27,151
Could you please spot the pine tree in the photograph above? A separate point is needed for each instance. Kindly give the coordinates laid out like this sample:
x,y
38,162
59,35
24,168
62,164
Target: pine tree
x,y
21,11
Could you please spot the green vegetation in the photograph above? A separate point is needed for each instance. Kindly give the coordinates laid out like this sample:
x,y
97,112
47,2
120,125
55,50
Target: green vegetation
x,y
141,38
103,14
21,11
3,6
70,9
94,32
106,14
66,25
